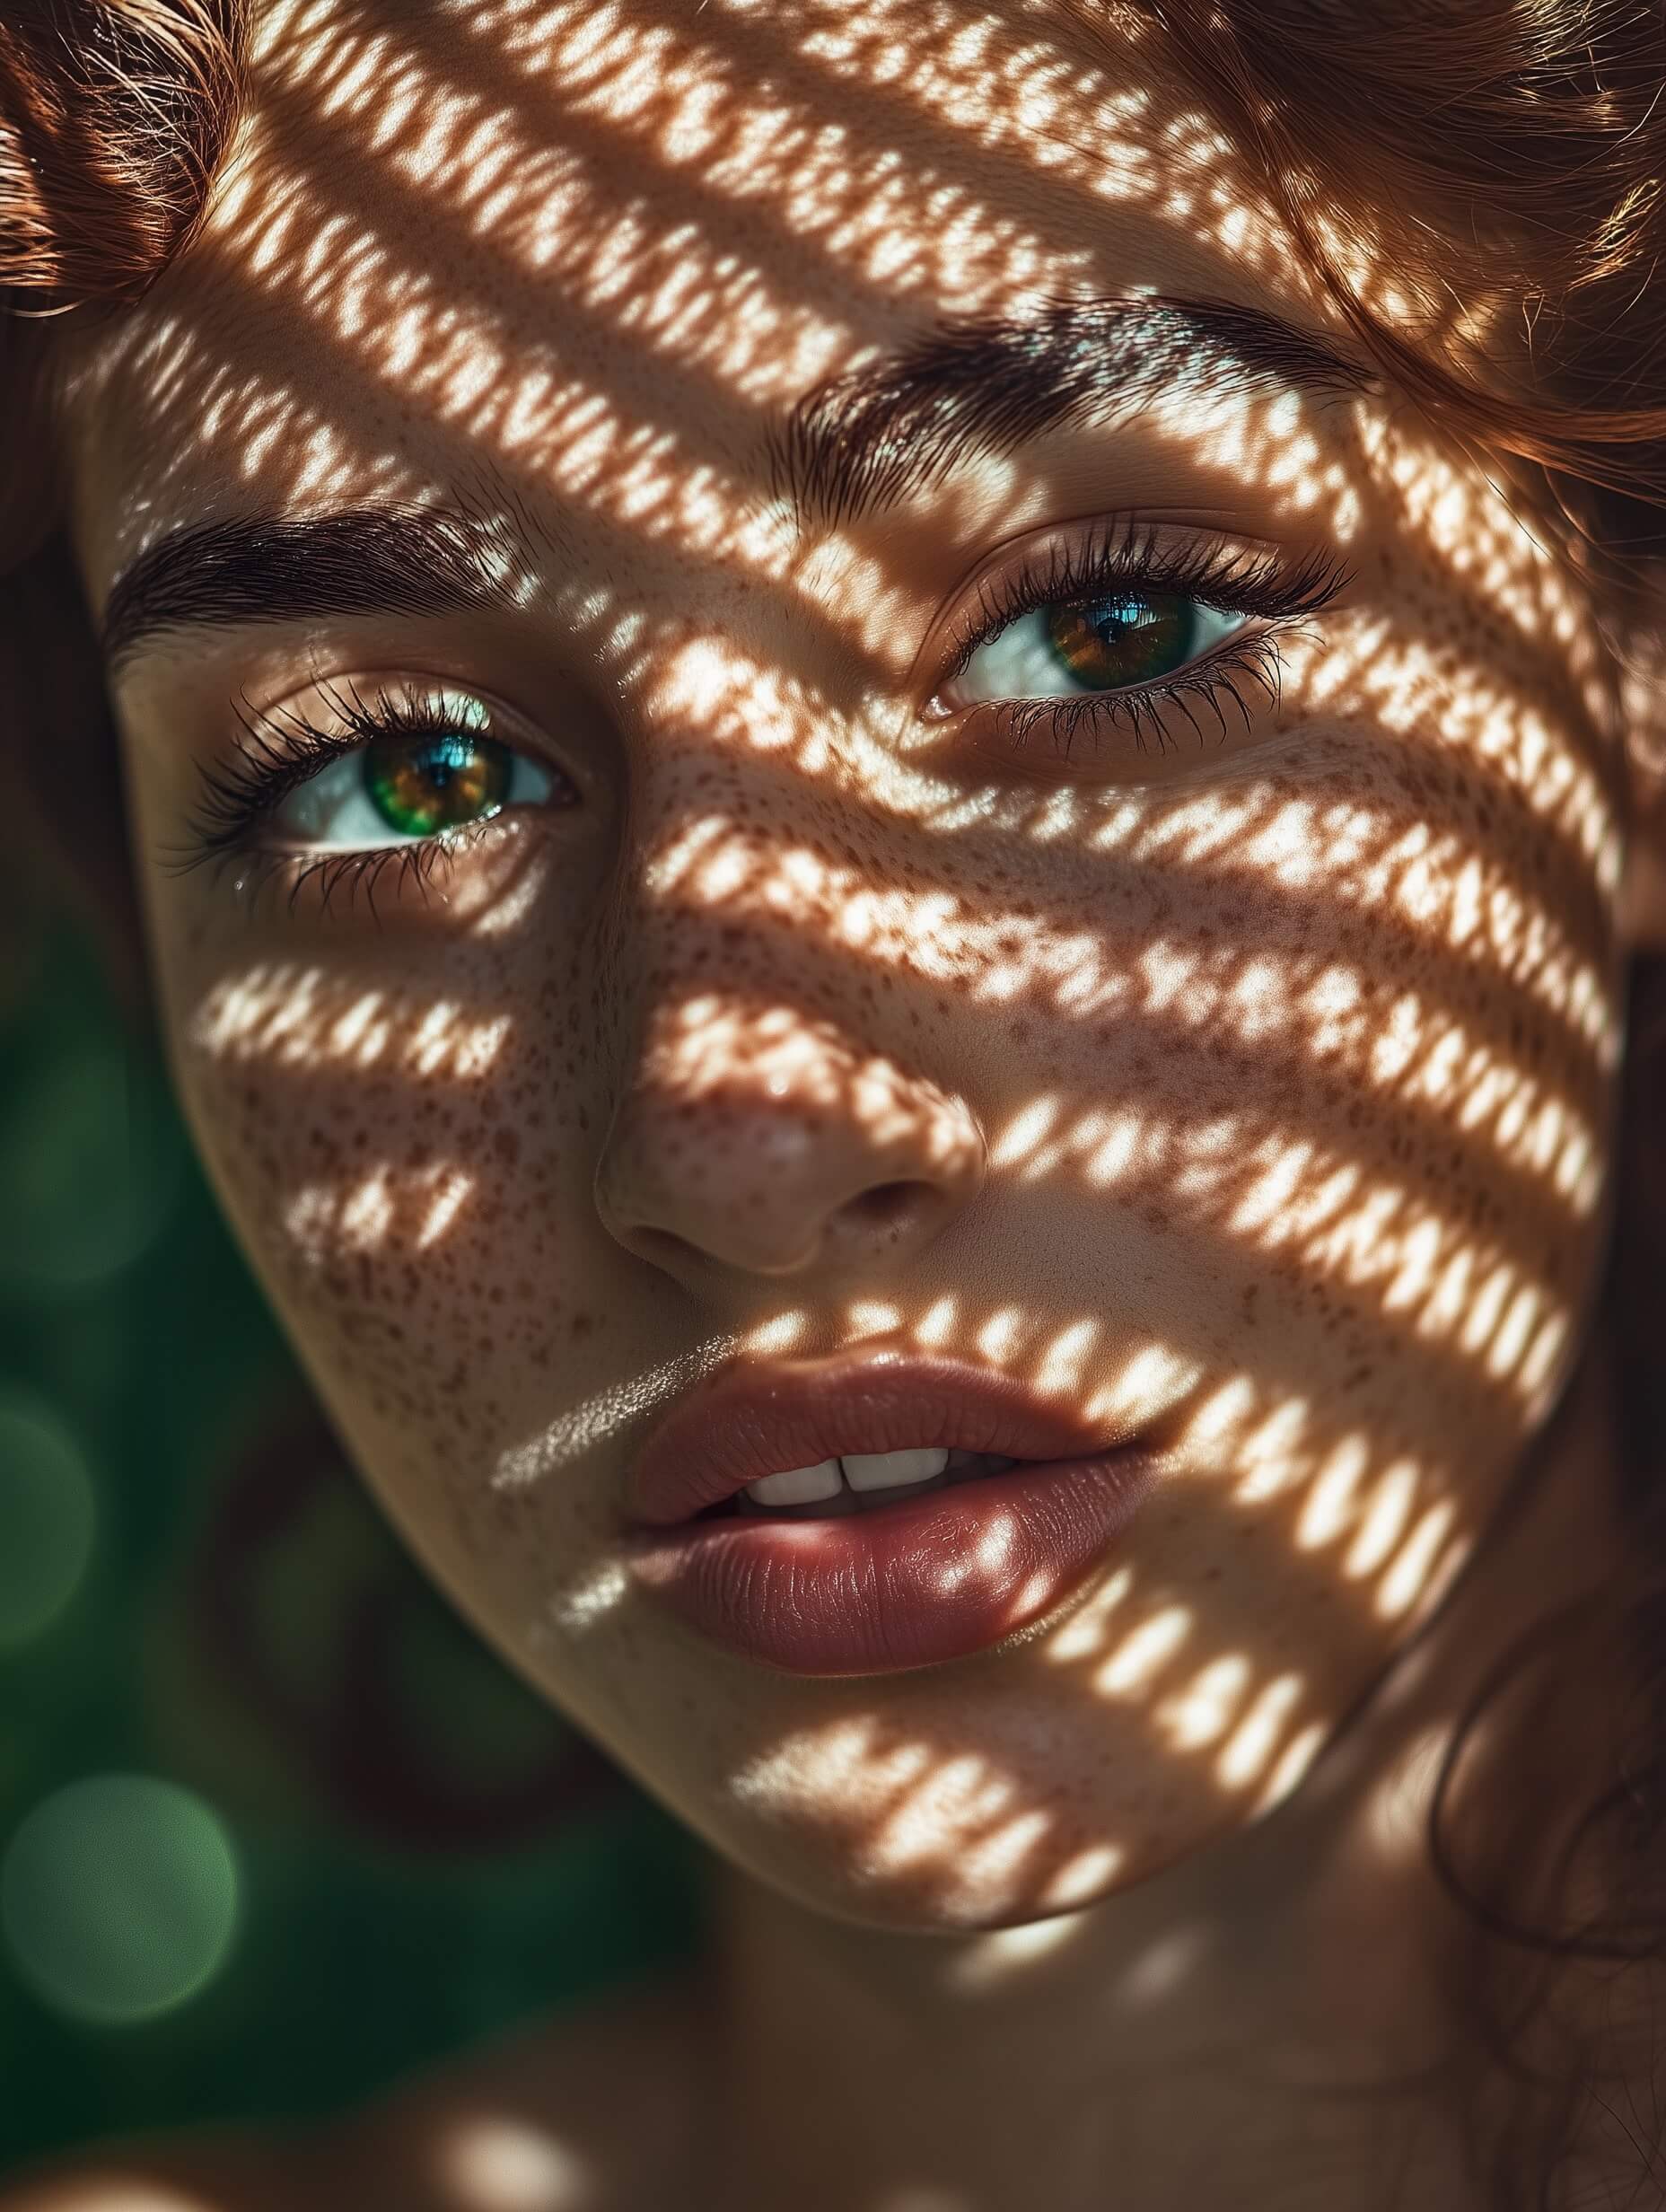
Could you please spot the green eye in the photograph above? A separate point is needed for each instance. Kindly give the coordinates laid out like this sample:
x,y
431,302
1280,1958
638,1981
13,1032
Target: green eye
x,y
1107,643
402,786
1118,641
438,781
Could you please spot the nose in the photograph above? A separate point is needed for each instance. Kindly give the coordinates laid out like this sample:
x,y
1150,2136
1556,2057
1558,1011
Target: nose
x,y
760,1140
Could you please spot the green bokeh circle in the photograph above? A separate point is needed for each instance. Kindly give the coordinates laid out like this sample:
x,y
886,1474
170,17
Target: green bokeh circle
x,y
90,1164
119,1898
48,1517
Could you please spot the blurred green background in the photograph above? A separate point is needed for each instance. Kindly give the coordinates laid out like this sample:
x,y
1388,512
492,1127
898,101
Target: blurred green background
x,y
275,1826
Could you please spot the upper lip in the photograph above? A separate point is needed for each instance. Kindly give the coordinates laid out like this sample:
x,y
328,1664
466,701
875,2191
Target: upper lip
x,y
753,1420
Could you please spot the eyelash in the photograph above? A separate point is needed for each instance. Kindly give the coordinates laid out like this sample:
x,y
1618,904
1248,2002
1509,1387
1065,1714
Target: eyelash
x,y
281,752
1128,556
283,749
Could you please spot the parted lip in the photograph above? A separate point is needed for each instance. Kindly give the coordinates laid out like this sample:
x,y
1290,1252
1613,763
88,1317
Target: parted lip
x,y
755,1418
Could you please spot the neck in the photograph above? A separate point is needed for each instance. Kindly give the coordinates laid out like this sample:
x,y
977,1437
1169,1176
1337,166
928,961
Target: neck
x,y
1264,2017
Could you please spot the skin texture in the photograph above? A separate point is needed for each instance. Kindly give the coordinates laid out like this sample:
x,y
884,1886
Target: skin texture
x,y
1257,1089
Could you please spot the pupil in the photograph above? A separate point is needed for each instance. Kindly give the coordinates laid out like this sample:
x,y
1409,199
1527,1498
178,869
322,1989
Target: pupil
x,y
1107,643
419,785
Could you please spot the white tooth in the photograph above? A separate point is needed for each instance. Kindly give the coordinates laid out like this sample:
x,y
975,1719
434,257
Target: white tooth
x,y
886,1471
799,1485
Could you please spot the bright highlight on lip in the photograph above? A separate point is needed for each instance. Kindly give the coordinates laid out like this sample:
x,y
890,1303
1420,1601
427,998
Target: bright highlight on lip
x,y
948,1556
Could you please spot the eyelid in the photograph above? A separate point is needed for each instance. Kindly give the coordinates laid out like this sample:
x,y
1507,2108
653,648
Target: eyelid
x,y
1137,540
1011,632
285,747
1275,587
365,692
1217,567
364,687
364,704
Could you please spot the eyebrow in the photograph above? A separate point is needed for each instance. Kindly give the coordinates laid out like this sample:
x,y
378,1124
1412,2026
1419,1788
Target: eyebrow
x,y
859,442
867,439
415,559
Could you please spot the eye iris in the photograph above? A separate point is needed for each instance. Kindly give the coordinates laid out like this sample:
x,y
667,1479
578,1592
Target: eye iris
x,y
1111,642
419,785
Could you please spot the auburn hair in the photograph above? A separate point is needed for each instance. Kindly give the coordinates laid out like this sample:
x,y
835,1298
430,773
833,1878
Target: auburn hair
x,y
1508,149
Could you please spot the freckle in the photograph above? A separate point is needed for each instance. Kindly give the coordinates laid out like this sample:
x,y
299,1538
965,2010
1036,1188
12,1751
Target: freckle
x,y
580,1325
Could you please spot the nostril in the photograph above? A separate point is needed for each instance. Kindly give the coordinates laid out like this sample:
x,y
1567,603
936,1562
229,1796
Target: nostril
x,y
888,1209
663,1247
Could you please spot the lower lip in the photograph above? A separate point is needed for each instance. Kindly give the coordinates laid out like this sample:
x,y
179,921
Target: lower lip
x,y
909,1584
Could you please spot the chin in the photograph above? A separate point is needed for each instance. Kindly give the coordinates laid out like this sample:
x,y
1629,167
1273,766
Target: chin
x,y
946,1890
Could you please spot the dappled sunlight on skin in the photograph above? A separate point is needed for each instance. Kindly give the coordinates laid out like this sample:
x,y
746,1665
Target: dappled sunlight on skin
x,y
478,355
977,1836
1251,1736
713,1042
1378,860
1006,1950
283,1017
1256,1064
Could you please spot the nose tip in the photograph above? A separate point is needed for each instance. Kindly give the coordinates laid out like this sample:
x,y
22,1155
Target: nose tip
x,y
778,1162
757,1238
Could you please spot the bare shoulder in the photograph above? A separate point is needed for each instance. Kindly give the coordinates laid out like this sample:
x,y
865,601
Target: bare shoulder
x,y
595,2109
591,2112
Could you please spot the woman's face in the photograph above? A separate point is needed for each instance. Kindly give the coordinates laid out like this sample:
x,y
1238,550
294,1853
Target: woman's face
x,y
917,914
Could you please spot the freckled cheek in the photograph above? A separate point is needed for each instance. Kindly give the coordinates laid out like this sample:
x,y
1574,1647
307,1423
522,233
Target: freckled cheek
x,y
423,1240
1363,1054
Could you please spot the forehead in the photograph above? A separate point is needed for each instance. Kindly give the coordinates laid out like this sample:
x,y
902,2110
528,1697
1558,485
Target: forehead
x,y
596,248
